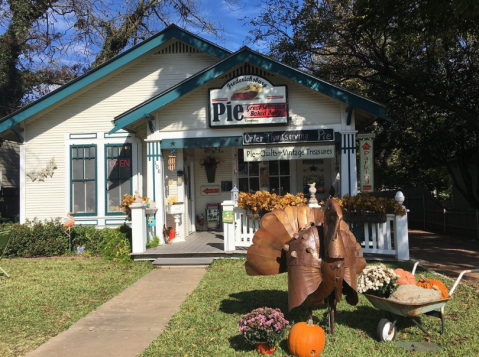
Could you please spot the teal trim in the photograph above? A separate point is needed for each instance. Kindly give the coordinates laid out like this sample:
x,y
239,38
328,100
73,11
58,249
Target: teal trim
x,y
350,115
84,157
188,143
247,55
108,67
19,137
106,156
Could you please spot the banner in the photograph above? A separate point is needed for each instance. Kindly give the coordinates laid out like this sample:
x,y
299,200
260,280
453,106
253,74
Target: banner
x,y
289,153
366,165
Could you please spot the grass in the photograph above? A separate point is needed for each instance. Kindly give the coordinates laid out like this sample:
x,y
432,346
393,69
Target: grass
x,y
206,324
45,296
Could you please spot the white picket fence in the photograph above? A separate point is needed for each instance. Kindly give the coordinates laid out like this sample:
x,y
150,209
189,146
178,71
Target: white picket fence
x,y
389,238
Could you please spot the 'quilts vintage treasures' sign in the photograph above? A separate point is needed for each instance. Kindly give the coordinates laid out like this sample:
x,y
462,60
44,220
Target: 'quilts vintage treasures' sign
x,y
289,153
248,100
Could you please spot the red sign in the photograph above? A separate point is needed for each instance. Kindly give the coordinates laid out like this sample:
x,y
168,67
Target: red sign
x,y
210,190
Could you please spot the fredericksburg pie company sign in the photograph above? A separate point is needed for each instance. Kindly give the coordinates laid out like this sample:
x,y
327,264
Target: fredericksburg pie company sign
x,y
248,100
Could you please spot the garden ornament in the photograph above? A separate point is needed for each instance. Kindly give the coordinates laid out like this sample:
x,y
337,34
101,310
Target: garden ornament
x,y
318,251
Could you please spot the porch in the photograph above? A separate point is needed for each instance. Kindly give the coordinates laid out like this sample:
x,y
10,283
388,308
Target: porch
x,y
199,248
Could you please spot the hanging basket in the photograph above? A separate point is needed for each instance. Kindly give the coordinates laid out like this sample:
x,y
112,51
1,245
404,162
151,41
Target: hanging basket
x,y
210,174
361,218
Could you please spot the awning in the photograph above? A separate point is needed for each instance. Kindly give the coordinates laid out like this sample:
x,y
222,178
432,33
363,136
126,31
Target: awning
x,y
212,142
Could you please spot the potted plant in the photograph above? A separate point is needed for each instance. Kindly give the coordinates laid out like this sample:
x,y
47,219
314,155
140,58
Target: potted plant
x,y
258,203
264,328
210,164
377,280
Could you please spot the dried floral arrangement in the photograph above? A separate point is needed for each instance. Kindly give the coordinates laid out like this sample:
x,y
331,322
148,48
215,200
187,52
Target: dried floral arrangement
x,y
377,280
364,203
264,201
172,200
263,324
127,202
209,162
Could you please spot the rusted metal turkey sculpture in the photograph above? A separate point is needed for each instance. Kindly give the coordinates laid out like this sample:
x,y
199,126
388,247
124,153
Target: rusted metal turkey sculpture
x,y
318,251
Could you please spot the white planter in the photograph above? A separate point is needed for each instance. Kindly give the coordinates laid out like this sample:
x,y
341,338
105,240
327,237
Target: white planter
x,y
176,208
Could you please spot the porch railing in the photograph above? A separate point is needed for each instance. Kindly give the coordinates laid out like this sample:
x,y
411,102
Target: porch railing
x,y
389,238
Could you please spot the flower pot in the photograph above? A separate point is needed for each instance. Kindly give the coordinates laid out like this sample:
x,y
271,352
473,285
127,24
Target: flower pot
x,y
264,348
210,174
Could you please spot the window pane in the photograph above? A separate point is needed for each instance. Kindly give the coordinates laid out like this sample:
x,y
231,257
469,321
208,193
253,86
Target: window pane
x,y
253,168
78,196
90,197
254,184
243,185
124,167
77,169
92,151
90,165
273,168
242,169
284,167
274,185
112,169
113,196
285,185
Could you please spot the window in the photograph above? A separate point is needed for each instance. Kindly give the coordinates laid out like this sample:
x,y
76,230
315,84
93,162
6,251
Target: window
x,y
273,175
83,179
118,175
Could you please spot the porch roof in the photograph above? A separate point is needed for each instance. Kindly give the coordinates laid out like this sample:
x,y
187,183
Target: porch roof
x,y
246,55
188,143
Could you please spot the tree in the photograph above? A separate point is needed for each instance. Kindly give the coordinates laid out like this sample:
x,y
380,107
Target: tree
x,y
419,57
46,43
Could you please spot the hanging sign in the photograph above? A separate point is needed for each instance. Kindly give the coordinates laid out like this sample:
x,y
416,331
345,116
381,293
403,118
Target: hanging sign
x,y
288,136
210,190
366,165
248,100
289,153
227,217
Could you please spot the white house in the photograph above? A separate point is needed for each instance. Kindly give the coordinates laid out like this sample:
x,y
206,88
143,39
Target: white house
x,y
149,117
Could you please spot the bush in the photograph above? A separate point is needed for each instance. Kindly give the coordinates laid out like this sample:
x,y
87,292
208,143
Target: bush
x,y
49,238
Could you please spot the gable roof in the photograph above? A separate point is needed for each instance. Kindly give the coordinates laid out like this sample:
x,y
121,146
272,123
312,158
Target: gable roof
x,y
108,67
245,54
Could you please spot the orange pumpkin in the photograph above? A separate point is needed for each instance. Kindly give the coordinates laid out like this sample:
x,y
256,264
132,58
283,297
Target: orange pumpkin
x,y
433,284
405,277
306,340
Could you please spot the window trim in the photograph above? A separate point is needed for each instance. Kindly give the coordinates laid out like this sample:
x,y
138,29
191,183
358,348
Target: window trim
x,y
95,213
106,146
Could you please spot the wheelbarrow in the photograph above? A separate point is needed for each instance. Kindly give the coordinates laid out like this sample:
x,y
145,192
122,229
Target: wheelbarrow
x,y
394,310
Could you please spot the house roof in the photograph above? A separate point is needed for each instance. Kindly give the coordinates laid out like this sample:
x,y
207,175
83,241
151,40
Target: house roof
x,y
243,55
106,68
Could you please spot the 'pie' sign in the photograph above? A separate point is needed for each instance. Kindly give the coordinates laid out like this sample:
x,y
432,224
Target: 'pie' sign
x,y
248,100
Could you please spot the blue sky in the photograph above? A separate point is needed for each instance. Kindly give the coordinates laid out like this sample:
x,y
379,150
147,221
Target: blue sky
x,y
229,17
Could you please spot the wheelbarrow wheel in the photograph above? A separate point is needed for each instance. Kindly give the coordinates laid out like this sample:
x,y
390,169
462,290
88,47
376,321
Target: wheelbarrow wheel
x,y
386,330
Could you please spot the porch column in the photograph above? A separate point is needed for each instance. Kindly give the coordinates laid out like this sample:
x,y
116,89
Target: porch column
x,y
348,163
155,185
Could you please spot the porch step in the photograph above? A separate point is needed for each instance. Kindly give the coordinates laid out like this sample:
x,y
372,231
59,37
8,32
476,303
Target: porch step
x,y
192,261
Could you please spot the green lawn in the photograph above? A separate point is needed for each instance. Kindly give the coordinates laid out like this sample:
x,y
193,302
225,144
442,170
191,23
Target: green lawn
x,y
45,296
206,324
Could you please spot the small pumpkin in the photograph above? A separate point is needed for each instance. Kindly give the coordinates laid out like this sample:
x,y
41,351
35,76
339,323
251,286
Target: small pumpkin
x,y
306,340
433,284
405,277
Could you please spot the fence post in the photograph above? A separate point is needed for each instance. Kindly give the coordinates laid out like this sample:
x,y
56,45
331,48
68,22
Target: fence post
x,y
402,237
138,227
228,228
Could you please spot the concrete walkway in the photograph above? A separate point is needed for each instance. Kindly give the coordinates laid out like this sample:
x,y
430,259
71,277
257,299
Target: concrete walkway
x,y
127,324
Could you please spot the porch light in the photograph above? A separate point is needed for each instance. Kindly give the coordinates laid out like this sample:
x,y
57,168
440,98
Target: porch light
x,y
234,195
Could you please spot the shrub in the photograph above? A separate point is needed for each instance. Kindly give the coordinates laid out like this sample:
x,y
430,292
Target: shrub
x,y
49,238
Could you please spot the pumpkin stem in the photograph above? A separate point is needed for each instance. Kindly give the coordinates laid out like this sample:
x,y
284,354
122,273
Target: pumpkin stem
x,y
310,316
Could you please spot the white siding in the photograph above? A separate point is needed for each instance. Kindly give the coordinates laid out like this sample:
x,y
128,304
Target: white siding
x,y
92,111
